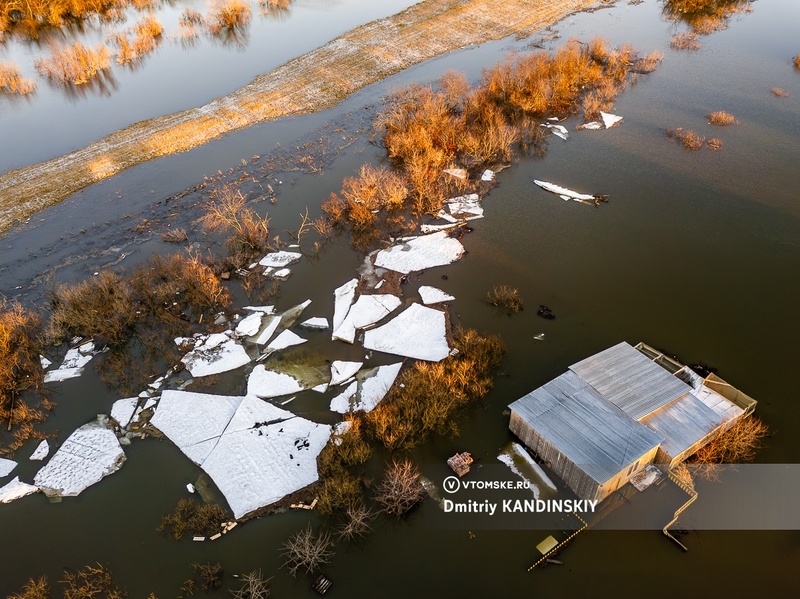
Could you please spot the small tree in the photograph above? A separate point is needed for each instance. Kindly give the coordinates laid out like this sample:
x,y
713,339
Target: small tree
x,y
253,587
306,551
400,490
358,521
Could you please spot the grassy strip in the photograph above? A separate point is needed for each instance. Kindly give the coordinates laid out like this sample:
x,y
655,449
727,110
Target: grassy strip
x,y
314,81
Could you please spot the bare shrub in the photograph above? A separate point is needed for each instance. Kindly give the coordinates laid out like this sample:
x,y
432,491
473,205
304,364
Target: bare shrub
x,y
714,144
93,582
307,552
428,396
649,62
363,197
248,232
12,81
211,575
401,489
253,587
174,235
34,589
779,92
685,41
75,64
193,518
505,297
357,522
737,445
720,117
228,15
688,138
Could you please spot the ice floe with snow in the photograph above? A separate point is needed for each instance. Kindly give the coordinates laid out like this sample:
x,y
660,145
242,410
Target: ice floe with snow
x,y
88,455
366,392
270,383
250,325
72,366
342,300
41,452
214,354
284,340
16,489
417,332
317,323
366,311
6,466
418,253
462,208
432,295
342,371
280,259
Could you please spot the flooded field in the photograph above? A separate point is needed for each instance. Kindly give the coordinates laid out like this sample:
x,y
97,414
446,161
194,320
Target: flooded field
x,y
695,253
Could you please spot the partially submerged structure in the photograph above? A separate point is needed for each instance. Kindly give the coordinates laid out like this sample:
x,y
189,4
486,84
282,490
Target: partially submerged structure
x,y
613,414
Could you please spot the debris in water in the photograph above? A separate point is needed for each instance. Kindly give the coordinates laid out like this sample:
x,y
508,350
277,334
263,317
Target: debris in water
x,y
462,208
72,366
568,194
546,313
558,130
488,175
591,125
539,337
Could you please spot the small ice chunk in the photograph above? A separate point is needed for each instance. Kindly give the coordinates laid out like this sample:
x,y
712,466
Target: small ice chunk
x,y
418,332
563,192
282,274
72,366
280,259
418,253
459,173
214,354
367,310
6,466
488,175
342,299
376,384
558,130
322,388
284,340
427,229
591,125
466,207
432,295
268,329
15,490
45,362
341,371
88,455
341,428
609,120
41,452
341,403
316,324
190,487
262,309
268,383
250,325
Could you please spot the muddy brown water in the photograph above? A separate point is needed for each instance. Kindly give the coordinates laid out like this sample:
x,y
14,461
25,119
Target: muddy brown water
x,y
697,253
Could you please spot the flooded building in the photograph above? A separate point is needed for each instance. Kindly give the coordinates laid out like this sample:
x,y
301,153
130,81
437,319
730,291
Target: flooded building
x,y
614,413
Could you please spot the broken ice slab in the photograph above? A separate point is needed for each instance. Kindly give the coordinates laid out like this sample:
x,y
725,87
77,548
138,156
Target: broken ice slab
x,y
427,229
609,120
282,274
418,332
321,388
341,403
250,325
432,295
367,310
371,386
190,487
269,383
317,323
558,130
488,175
16,489
341,371
6,466
280,259
459,173
567,194
72,366
262,309
466,207
41,452
268,327
45,362
418,253
284,340
342,299
88,455
214,354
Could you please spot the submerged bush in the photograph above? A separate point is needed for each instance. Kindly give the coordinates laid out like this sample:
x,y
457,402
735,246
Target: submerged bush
x,y
685,41
688,138
203,519
505,297
720,117
75,64
401,489
12,81
227,15
248,232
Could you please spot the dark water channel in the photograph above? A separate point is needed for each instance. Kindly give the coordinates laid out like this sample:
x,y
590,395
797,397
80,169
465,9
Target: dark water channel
x,y
696,252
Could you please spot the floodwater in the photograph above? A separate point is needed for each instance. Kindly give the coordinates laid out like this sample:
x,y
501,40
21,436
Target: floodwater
x,y
696,253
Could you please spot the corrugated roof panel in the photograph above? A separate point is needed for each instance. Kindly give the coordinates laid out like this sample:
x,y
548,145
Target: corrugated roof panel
x,y
591,432
630,380
683,423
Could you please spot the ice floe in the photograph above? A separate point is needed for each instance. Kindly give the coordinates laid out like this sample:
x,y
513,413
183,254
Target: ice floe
x,y
341,371
609,120
268,328
280,259
432,295
367,310
6,466
41,452
282,274
418,332
341,403
567,194
250,325
16,489
418,253
214,354
369,388
557,130
269,383
316,323
45,362
591,125
262,453
88,455
284,340
342,299
488,175
262,309
466,207
72,366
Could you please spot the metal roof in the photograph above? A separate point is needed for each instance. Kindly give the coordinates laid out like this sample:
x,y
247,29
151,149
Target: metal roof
x,y
630,380
683,423
591,432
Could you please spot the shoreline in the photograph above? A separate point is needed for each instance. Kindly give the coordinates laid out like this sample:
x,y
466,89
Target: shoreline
x,y
312,82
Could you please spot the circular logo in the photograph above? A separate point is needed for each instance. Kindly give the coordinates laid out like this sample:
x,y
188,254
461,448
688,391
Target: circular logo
x,y
451,484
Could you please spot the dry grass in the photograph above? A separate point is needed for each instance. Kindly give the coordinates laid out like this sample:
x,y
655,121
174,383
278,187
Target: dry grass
x,y
340,488
506,298
190,23
248,232
362,198
75,64
203,519
779,92
401,489
714,144
228,15
688,138
178,235
315,81
796,61
736,446
253,586
685,41
12,81
720,117
428,396
146,35
34,589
